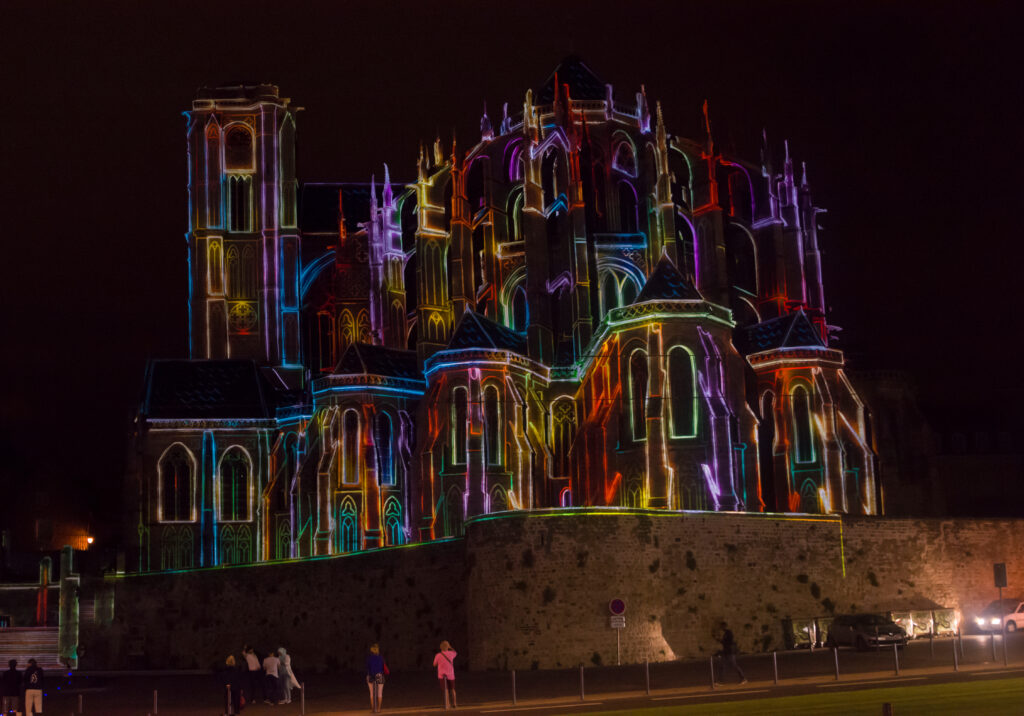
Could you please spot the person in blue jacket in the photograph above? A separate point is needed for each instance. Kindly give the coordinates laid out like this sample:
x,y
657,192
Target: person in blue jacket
x,y
376,670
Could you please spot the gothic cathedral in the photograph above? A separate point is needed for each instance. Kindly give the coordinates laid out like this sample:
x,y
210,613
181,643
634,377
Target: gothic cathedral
x,y
579,310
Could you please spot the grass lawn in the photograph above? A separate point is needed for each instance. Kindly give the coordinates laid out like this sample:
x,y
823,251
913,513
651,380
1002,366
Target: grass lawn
x,y
990,697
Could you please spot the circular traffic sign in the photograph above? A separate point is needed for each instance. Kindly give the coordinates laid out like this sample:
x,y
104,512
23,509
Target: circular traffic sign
x,y
617,607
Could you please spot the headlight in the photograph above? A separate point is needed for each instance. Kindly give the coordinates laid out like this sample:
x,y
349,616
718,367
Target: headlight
x,y
980,621
995,620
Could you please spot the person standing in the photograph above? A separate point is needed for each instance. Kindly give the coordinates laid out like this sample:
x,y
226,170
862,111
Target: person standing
x,y
232,676
376,670
729,651
444,660
288,680
254,674
271,666
10,688
32,680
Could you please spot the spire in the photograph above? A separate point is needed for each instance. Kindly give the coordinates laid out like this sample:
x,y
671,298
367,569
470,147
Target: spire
x,y
766,160
642,110
707,130
421,164
342,233
373,197
438,151
486,130
803,179
506,123
387,187
661,135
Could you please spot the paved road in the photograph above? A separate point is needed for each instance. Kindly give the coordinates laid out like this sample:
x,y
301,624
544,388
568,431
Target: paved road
x,y
548,692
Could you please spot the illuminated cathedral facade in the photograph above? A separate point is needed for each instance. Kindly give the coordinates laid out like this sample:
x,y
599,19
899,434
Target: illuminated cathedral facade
x,y
577,309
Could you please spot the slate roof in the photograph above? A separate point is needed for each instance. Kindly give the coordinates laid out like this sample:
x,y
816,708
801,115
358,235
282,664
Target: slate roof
x,y
789,331
360,358
583,83
667,283
218,389
477,331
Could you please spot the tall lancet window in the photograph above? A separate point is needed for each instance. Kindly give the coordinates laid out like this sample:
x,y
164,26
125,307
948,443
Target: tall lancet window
x,y
638,393
459,428
492,425
803,432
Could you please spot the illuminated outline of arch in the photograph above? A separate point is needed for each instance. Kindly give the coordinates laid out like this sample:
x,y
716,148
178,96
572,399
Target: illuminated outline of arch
x,y
803,435
459,428
673,399
347,527
393,523
250,480
638,409
160,481
349,448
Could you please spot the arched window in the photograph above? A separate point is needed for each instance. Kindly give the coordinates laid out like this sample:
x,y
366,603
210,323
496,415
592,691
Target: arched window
x,y
287,145
240,202
453,513
243,544
515,215
624,159
346,330
609,292
350,448
742,262
563,429
682,390
363,329
520,309
499,499
635,496
228,553
628,220
283,539
628,291
216,267
638,393
492,425
289,274
177,484
459,418
185,554
234,273
802,429
384,438
346,528
393,532
478,259
694,495
213,175
234,486
238,149
766,450
248,288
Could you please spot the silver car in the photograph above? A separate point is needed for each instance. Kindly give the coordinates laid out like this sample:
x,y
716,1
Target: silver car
x,y
865,631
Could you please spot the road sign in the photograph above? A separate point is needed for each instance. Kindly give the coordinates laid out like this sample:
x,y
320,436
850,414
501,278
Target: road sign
x,y
617,607
999,569
617,622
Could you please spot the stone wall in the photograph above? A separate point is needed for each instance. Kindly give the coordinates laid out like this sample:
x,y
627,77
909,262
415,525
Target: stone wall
x,y
539,584
532,590
325,611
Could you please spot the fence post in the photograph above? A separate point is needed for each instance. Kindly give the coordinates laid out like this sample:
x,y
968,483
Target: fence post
x,y
960,638
711,664
896,657
647,675
227,700
81,708
992,639
775,666
931,642
302,694
155,711
581,683
888,710
835,654
956,663
1006,659
514,687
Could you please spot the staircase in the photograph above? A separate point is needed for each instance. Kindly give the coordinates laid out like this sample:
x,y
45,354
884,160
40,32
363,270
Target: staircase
x,y
24,643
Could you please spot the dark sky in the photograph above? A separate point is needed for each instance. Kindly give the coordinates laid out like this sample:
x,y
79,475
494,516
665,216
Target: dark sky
x,y
908,115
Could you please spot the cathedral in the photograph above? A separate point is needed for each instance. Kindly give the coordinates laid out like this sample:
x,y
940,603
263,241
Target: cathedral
x,y
575,309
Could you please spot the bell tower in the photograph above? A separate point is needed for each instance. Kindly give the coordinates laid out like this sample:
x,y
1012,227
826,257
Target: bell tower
x,y
243,238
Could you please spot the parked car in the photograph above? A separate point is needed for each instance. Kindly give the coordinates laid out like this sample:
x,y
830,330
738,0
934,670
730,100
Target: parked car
x,y
991,618
865,631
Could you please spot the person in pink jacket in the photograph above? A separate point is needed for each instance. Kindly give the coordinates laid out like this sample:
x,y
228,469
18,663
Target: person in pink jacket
x,y
444,660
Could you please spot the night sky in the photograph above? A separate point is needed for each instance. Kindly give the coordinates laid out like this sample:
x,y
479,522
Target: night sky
x,y
907,114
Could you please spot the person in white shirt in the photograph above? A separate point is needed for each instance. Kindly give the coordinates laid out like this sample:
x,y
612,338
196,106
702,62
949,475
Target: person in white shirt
x,y
270,666
254,675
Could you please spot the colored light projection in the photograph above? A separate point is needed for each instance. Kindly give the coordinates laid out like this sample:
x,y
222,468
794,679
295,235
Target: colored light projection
x,y
580,310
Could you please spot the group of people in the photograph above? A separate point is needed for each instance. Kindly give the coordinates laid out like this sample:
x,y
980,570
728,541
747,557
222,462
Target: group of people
x,y
22,686
377,670
270,678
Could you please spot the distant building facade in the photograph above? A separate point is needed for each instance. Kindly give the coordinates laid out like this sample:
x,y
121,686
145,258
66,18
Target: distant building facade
x,y
577,309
